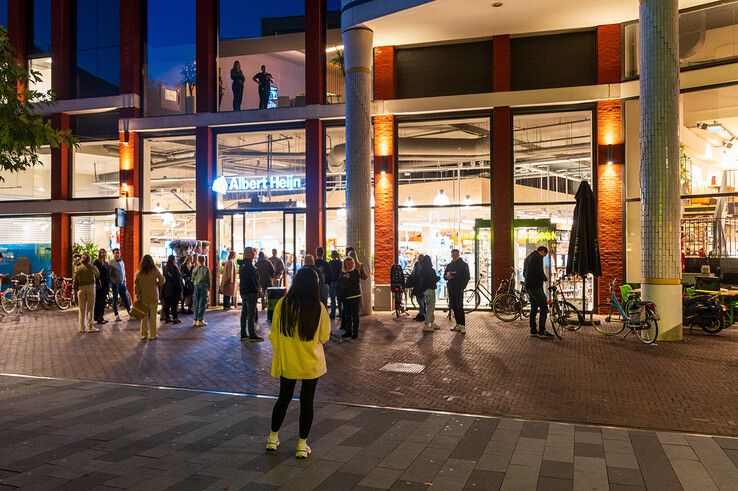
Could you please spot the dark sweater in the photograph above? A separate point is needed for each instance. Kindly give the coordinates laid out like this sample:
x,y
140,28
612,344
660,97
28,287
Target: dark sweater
x,y
249,278
533,271
459,274
325,270
172,283
349,285
336,269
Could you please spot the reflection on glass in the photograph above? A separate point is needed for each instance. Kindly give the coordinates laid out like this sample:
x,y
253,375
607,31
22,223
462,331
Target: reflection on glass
x,y
4,13
160,229
100,230
169,174
25,244
444,162
32,183
96,170
257,34
170,63
261,170
96,70
553,154
43,67
40,23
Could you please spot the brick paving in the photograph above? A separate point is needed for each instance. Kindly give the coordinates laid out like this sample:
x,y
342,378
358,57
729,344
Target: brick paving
x,y
69,434
495,370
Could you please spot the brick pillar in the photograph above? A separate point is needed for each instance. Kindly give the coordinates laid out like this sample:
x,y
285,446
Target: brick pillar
x,y
610,160
130,168
661,211
501,63
205,199
61,48
131,52
502,193
17,28
60,162
207,45
385,224
130,246
608,54
384,73
314,188
315,51
61,244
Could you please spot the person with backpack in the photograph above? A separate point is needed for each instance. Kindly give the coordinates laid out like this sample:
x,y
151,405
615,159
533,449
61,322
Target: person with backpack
x,y
427,281
325,270
300,329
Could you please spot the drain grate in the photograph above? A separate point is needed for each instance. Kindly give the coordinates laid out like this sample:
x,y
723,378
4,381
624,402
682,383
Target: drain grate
x,y
402,368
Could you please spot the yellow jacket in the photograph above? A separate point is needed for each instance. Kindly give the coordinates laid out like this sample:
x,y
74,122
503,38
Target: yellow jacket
x,y
146,286
296,359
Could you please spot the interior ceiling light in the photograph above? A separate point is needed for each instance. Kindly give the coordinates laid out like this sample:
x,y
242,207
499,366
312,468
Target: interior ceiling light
x,y
497,4
409,203
714,127
441,199
467,200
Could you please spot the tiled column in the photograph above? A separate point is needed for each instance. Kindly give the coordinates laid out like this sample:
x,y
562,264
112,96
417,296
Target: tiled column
x,y
61,244
384,73
315,51
385,224
61,258
608,54
660,204
610,160
357,43
205,197
502,193
207,45
61,48
314,189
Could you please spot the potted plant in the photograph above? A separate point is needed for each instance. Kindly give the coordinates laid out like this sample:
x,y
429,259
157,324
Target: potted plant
x,y
189,79
80,248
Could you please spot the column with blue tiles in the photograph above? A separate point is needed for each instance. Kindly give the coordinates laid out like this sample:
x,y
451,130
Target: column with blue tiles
x,y
659,140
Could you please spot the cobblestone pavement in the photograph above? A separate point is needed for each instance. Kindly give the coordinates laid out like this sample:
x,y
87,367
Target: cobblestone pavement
x,y
68,434
496,369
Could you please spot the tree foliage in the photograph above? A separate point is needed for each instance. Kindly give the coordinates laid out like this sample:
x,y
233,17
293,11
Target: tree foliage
x,y
23,131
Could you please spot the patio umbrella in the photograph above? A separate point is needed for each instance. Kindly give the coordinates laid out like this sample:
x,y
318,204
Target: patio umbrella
x,y
584,248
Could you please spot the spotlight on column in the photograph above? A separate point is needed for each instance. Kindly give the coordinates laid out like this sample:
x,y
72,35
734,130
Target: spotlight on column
x,y
383,164
609,155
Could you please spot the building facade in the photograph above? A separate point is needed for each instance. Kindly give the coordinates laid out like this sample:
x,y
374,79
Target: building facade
x,y
483,122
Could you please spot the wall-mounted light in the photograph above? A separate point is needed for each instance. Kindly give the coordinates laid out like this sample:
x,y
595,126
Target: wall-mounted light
x,y
124,191
609,154
383,164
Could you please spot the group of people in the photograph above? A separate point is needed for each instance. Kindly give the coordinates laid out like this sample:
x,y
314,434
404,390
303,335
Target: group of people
x,y
422,282
263,79
93,281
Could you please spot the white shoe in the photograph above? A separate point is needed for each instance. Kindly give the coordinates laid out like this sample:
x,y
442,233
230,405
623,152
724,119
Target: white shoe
x,y
117,318
203,323
428,328
461,329
455,328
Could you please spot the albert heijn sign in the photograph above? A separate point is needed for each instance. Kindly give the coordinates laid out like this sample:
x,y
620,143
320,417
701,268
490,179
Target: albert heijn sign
x,y
240,184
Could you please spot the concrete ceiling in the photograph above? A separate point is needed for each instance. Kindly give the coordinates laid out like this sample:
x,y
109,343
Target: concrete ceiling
x,y
444,20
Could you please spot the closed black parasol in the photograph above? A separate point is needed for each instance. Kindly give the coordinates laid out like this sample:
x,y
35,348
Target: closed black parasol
x,y
584,247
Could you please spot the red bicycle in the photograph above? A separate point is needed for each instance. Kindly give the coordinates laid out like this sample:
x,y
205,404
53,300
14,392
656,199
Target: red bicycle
x,y
64,295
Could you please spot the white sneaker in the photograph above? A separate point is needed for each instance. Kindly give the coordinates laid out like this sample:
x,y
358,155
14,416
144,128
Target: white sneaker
x,y
455,328
428,328
117,318
203,323
196,324
461,329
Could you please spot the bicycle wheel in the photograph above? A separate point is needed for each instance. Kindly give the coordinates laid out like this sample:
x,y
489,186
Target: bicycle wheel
x,y
471,300
571,317
47,299
555,315
9,301
62,301
607,319
524,305
32,299
648,331
506,307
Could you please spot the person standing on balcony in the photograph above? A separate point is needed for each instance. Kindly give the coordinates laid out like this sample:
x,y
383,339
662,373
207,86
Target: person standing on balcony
x,y
264,81
237,86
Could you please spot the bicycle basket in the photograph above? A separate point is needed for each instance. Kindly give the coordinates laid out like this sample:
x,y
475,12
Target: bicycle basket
x,y
637,312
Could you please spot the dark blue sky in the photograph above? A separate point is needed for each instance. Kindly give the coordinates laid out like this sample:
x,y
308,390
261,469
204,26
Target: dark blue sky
x,y
41,27
171,38
242,18
4,13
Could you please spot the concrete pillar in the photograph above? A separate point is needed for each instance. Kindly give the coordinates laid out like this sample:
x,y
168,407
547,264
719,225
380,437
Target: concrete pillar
x,y
357,42
660,205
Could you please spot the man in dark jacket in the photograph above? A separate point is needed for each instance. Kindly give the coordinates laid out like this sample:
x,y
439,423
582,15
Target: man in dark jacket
x,y
102,286
336,271
427,281
325,270
534,279
457,277
265,270
249,289
413,282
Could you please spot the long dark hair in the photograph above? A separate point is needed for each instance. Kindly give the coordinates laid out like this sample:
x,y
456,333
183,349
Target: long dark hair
x,y
147,264
301,306
171,266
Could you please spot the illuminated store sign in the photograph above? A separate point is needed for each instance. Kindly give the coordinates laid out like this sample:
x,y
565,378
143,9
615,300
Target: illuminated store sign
x,y
225,185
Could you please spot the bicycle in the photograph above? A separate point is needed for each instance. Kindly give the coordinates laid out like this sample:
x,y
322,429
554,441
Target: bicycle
x,y
16,297
473,296
64,294
510,304
639,317
39,293
562,313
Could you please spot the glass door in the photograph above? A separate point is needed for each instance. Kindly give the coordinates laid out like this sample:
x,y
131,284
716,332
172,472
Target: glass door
x,y
294,242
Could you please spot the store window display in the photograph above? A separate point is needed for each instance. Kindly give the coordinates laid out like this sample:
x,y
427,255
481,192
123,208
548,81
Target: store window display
x,y
25,245
96,170
99,230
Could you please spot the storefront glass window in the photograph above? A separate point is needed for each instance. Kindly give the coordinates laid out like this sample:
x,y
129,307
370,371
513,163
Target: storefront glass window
x,y
261,33
444,162
95,170
706,35
39,36
42,66
32,183
261,170
170,57
96,70
25,245
334,76
98,229
169,174
160,229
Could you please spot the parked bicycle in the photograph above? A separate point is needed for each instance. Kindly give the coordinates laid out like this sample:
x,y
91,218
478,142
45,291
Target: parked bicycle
x,y
64,294
563,314
473,296
39,293
510,304
612,318
15,298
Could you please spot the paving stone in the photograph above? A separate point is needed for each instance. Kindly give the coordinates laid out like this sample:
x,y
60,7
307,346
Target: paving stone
x,y
655,466
692,475
480,479
624,475
380,478
553,484
558,470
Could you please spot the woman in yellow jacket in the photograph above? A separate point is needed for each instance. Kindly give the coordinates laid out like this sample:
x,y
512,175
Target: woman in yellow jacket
x,y
300,328
147,283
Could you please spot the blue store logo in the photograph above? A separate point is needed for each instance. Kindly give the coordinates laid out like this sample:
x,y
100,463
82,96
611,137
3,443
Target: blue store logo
x,y
226,185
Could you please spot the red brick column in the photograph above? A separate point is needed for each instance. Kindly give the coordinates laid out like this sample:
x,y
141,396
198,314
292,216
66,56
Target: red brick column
x,y
17,32
502,193
384,73
385,226
61,48
61,238
131,52
608,54
501,63
314,186
315,51
130,234
609,193
205,198
207,45
61,244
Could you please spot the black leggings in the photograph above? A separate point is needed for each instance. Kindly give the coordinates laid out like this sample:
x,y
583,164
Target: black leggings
x,y
307,394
